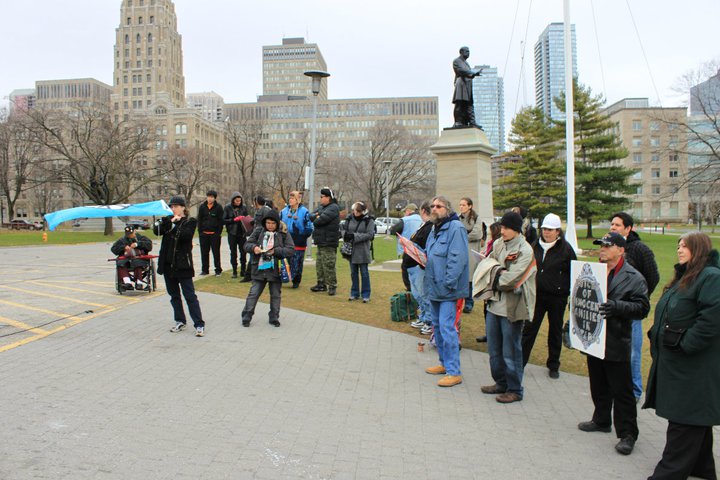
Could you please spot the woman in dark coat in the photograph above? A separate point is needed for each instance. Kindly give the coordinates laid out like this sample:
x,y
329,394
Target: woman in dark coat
x,y
269,244
360,232
175,263
553,256
684,381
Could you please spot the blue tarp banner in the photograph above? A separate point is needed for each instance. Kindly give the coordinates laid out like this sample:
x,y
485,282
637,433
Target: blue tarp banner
x,y
157,208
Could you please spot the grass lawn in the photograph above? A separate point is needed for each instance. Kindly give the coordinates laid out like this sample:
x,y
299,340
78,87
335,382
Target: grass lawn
x,y
385,284
14,238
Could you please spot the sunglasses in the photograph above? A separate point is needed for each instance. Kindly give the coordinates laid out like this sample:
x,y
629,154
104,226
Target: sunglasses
x,y
437,206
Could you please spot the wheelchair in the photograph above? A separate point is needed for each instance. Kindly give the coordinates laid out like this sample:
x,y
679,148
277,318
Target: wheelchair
x,y
148,277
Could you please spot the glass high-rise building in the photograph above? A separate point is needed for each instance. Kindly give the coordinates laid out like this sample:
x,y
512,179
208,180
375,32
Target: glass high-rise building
x,y
489,104
550,67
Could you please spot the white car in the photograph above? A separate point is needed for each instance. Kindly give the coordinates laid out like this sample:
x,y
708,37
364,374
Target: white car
x,y
380,228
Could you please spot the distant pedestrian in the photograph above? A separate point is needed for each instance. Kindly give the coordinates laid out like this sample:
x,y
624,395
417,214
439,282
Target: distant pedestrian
x,y
416,272
476,237
528,231
268,245
326,236
552,284
684,381
642,258
210,226
406,227
175,263
446,282
360,233
512,303
297,219
233,216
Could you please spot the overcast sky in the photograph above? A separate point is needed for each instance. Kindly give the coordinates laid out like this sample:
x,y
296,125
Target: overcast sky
x,y
375,48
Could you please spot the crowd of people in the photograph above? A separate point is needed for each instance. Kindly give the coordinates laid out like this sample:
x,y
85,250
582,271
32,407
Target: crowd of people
x,y
519,276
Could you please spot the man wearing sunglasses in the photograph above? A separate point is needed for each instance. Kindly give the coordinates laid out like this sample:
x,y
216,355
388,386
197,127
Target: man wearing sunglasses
x,y
446,281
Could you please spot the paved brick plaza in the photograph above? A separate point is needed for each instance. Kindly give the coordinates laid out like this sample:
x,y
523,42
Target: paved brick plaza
x,y
119,397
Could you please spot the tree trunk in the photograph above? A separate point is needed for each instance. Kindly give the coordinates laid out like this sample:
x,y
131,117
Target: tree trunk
x,y
11,211
589,228
108,226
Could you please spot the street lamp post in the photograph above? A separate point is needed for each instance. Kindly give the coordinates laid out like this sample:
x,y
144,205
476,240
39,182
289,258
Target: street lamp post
x,y
386,164
316,76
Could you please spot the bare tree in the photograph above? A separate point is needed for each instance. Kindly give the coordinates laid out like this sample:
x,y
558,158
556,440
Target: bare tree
x,y
396,160
190,170
106,161
700,137
18,155
245,137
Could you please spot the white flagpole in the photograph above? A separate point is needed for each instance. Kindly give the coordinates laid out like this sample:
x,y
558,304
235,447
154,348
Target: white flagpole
x,y
570,232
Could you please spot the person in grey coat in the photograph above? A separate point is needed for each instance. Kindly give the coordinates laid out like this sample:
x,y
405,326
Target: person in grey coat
x,y
269,244
360,232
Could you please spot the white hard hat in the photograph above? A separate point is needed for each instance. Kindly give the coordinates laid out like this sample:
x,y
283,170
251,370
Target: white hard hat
x,y
551,221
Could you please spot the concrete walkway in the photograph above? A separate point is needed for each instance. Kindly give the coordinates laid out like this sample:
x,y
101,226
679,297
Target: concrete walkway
x,y
120,397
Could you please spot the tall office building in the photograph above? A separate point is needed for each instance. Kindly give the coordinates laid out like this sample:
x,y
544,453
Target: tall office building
x,y
22,100
148,57
705,97
489,103
658,155
284,66
550,67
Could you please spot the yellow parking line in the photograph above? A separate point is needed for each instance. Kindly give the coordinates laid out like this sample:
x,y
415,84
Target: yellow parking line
x,y
21,325
50,295
75,320
102,284
71,289
35,309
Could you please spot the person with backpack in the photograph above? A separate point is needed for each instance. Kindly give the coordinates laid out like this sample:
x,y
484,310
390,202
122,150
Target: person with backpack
x,y
297,219
360,233
269,244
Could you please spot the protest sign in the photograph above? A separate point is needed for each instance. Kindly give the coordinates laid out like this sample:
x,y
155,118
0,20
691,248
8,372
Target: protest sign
x,y
588,290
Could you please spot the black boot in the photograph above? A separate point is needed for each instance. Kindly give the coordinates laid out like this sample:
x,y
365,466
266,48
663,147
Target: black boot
x,y
318,288
234,275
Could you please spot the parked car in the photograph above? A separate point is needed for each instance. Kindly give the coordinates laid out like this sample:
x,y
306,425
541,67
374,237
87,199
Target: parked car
x,y
139,224
388,221
380,227
24,224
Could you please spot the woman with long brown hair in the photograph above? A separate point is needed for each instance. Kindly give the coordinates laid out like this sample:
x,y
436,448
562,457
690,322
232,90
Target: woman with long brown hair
x,y
684,381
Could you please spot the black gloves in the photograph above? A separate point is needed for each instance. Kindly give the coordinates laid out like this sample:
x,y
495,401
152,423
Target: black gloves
x,y
608,308
349,237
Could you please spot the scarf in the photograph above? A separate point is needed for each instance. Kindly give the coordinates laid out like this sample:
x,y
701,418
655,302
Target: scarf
x,y
546,246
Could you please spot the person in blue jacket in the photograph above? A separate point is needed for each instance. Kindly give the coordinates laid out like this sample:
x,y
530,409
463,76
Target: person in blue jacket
x,y
446,282
297,219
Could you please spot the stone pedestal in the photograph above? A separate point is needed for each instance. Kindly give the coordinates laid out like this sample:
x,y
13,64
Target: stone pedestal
x,y
464,169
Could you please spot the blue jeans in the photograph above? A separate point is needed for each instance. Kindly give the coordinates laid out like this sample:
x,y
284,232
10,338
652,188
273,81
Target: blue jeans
x,y
505,349
362,269
296,266
636,357
446,336
417,277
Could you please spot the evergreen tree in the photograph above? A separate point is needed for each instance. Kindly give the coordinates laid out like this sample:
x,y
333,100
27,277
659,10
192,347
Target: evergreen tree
x,y
536,177
601,181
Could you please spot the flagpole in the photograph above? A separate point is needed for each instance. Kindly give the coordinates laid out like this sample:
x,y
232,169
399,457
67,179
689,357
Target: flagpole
x,y
570,231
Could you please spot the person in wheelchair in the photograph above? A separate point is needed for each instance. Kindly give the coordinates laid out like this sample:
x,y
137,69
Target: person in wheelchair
x,y
131,245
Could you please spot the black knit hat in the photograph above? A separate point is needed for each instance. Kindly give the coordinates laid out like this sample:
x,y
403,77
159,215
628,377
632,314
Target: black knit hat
x,y
177,200
326,192
513,221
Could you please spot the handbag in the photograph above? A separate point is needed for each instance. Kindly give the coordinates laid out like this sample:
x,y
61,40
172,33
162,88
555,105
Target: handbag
x,y
285,275
672,337
346,250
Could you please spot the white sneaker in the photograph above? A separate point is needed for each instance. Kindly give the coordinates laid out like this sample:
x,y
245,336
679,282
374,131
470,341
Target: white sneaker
x,y
426,330
417,324
200,332
178,327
